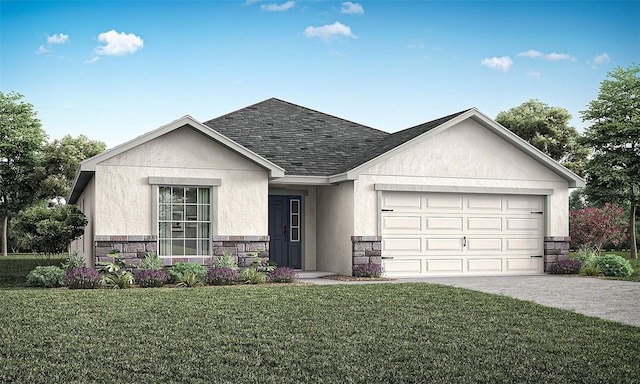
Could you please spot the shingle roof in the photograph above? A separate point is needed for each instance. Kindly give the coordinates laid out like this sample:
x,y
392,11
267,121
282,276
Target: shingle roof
x,y
306,142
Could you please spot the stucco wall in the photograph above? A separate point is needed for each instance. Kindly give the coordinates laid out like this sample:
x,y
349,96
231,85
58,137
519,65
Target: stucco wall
x,y
335,225
84,244
465,155
124,196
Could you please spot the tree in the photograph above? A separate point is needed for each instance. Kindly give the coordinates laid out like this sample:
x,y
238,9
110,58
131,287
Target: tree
x,y
21,139
613,174
50,230
61,159
594,227
547,128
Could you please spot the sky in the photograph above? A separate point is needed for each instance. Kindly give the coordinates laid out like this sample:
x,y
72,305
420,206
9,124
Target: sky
x,y
113,70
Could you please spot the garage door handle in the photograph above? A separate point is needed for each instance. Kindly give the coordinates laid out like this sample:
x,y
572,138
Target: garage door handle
x,y
387,257
537,212
387,210
464,241
537,256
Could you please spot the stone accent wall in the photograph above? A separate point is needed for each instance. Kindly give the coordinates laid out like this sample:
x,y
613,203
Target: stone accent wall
x,y
133,248
366,249
243,248
556,248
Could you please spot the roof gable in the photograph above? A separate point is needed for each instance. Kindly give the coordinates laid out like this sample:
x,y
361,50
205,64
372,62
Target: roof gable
x,y
303,141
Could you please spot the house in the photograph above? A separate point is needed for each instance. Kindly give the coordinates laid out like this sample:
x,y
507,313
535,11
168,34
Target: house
x,y
460,195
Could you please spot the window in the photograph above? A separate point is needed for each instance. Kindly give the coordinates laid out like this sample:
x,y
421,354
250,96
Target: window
x,y
294,210
184,221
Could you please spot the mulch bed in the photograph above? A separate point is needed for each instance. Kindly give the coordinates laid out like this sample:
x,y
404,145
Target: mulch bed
x,y
352,278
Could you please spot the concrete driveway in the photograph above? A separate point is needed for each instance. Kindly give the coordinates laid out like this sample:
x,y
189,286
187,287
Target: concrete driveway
x,y
608,299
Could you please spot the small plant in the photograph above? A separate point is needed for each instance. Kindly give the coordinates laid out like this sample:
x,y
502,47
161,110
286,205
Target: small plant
x,y
151,261
367,270
152,278
283,275
189,280
115,274
193,268
614,265
226,261
565,267
74,261
585,255
221,276
82,278
590,270
258,272
47,277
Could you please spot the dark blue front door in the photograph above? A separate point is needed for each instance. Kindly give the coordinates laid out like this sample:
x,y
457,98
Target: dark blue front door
x,y
285,231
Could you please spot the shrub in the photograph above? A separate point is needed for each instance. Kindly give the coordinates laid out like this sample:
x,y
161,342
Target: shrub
x,y
114,273
82,278
152,278
221,276
189,280
151,261
48,277
74,261
193,268
591,270
367,270
565,267
585,255
227,261
258,272
595,227
614,265
283,275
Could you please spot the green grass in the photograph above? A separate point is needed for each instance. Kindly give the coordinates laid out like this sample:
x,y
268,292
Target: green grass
x,y
378,333
14,268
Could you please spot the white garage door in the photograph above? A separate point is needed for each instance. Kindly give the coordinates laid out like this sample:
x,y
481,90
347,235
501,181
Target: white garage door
x,y
461,234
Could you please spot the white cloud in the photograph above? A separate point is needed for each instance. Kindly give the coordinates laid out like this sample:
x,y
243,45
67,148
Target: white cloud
x,y
558,56
533,74
249,2
351,8
329,32
500,63
92,60
42,49
118,44
530,53
58,38
599,60
278,7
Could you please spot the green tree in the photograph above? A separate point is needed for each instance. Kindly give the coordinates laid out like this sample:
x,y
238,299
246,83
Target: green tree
x,y
61,159
21,140
50,230
547,128
613,174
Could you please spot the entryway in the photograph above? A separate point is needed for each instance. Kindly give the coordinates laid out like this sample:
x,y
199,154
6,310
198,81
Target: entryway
x,y
285,230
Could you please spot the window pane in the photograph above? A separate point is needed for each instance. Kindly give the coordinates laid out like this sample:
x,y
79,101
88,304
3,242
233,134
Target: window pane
x,y
165,194
165,248
204,212
177,247
177,230
203,195
294,220
295,234
192,213
164,230
295,206
190,247
178,195
165,210
191,231
177,212
203,230
204,247
192,195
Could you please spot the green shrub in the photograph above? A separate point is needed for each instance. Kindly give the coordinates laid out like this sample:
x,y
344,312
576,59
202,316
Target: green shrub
x,y
193,268
74,261
226,261
189,280
585,255
614,265
151,261
114,273
48,277
590,270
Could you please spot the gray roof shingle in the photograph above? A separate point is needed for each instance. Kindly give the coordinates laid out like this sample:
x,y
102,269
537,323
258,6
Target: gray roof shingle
x,y
306,142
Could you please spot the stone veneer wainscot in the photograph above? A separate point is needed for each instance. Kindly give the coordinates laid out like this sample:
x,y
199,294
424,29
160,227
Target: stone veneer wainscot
x,y
366,249
556,248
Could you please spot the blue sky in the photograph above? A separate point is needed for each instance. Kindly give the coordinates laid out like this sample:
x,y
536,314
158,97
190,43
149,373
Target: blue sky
x,y
114,70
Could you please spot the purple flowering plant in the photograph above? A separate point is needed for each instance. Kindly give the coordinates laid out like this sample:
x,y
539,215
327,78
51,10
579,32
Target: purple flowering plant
x,y
152,278
82,278
221,276
367,270
282,275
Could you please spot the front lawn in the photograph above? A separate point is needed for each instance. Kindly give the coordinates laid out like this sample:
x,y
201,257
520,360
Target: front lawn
x,y
378,333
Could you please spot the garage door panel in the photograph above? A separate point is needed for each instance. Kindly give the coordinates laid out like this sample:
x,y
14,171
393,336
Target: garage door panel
x,y
532,224
444,265
523,204
484,265
450,202
531,264
530,244
413,244
444,245
408,266
474,244
484,203
484,223
402,201
437,223
402,223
